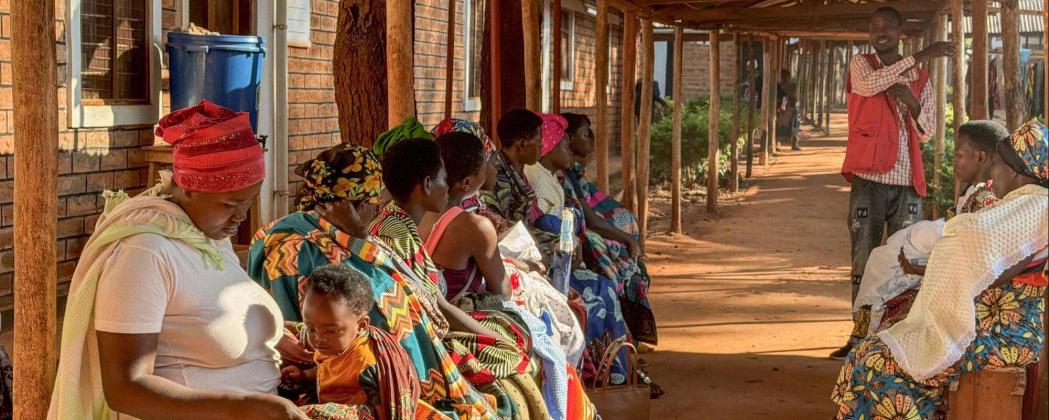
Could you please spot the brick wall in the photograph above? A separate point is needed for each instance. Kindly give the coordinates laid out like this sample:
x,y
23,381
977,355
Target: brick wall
x,y
313,123
89,161
695,69
580,99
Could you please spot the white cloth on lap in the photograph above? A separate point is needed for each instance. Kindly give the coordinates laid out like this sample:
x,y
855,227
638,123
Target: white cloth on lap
x,y
976,248
883,278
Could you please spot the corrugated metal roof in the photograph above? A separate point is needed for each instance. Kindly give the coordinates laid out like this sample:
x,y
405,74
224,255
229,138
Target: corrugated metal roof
x,y
1031,20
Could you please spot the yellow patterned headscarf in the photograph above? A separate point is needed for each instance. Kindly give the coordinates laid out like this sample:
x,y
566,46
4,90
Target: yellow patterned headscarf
x,y
344,172
1027,151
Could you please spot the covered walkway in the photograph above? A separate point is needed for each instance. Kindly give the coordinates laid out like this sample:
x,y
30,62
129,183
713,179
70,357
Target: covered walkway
x,y
750,304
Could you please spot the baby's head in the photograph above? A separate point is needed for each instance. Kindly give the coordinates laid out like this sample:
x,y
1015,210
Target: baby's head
x,y
335,307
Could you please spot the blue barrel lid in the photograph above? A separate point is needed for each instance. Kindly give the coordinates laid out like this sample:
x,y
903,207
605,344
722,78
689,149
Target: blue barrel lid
x,y
215,40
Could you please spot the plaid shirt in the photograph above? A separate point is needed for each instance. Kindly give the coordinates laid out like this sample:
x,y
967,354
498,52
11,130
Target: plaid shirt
x,y
869,82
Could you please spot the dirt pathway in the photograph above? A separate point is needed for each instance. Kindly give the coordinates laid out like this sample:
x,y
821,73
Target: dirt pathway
x,y
751,301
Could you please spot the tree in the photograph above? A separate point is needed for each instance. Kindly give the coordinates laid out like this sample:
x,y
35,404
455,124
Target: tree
x,y
359,67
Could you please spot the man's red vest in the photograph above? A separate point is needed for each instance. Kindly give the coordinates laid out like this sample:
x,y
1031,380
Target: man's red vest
x,y
874,138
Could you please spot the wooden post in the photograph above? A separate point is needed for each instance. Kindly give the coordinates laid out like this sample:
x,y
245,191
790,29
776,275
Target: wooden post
x,y
644,130
752,100
821,83
713,139
733,183
958,67
675,148
600,93
771,90
1015,106
530,21
832,64
803,80
814,63
766,102
555,77
939,29
400,68
449,68
495,71
35,207
845,74
979,61
626,108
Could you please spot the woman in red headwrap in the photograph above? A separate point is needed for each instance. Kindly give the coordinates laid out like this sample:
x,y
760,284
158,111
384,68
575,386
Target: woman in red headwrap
x,y
161,320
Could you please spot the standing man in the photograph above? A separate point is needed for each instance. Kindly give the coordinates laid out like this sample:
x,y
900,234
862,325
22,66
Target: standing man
x,y
891,112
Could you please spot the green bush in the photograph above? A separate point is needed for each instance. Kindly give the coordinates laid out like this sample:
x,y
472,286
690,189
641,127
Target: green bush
x,y
694,125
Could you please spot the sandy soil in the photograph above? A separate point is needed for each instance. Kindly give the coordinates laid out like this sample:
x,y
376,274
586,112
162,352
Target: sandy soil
x,y
750,301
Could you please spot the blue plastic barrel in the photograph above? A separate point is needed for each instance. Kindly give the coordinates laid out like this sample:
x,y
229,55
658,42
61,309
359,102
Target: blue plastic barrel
x,y
224,69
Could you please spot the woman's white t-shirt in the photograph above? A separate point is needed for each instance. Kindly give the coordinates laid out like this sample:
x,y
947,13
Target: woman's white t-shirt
x,y
218,329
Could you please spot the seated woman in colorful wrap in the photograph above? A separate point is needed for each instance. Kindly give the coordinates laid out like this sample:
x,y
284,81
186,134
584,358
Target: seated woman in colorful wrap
x,y
161,321
604,322
490,348
981,301
512,197
612,238
459,238
893,272
341,186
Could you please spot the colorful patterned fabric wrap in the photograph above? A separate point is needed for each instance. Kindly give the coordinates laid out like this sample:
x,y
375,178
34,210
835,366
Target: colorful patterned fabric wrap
x,y
410,128
284,253
454,125
1027,151
604,320
513,197
612,259
1009,333
344,172
481,359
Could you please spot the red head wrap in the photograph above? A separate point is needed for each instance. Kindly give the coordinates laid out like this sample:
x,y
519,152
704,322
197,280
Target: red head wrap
x,y
215,149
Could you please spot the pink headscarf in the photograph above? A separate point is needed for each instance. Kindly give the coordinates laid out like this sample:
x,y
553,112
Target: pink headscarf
x,y
553,127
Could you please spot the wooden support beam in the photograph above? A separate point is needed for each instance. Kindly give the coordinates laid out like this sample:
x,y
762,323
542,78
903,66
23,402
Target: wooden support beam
x,y
979,61
600,92
804,58
1014,97
821,80
555,76
675,148
713,139
814,67
530,25
34,78
766,101
733,183
626,109
400,67
815,10
449,67
939,30
958,67
752,100
771,90
644,130
828,86
495,71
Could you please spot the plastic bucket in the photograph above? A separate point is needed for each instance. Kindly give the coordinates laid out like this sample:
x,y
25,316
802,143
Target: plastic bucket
x,y
224,69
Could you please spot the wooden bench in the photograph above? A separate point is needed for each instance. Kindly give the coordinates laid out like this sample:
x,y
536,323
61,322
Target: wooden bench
x,y
988,394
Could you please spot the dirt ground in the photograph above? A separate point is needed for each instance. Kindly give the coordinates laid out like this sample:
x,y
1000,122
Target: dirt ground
x,y
750,301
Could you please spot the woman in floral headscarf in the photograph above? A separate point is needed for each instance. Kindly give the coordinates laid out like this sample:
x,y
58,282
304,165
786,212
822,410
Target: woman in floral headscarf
x,y
341,185
988,266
